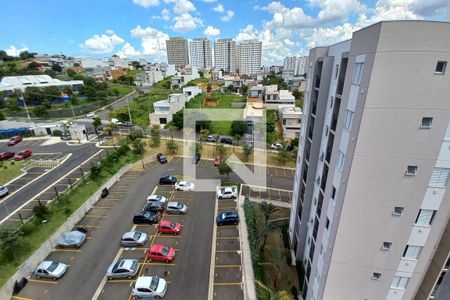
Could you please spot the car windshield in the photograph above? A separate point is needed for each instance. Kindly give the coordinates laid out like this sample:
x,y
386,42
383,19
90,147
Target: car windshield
x,y
134,265
172,225
165,250
223,216
154,284
52,266
180,206
137,235
116,266
12,139
21,153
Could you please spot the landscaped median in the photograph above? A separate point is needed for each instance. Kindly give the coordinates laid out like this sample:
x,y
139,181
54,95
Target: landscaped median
x,y
21,248
11,169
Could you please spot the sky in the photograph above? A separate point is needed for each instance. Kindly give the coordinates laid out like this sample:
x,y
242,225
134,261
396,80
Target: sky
x,y
139,28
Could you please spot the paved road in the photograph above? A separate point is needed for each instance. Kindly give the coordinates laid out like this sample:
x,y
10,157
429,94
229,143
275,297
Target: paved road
x,y
79,154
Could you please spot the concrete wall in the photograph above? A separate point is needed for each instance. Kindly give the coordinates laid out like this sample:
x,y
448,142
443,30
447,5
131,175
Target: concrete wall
x,y
28,267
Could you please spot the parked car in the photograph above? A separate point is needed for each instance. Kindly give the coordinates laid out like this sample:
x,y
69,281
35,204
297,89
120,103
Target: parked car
x,y
133,239
116,121
229,192
24,154
147,286
168,179
146,217
105,193
196,158
3,190
6,155
226,140
217,160
227,218
161,158
156,198
125,268
161,252
169,227
211,138
154,207
276,146
176,208
91,115
184,186
73,238
50,269
127,124
14,140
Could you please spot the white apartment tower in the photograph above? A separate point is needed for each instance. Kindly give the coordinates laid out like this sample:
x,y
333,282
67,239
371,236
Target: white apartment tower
x,y
177,51
370,203
200,53
298,65
225,55
250,57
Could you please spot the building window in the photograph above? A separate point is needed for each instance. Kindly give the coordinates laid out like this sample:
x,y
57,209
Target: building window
x,y
426,122
337,71
425,217
331,102
398,211
376,276
412,252
387,246
333,192
439,177
440,67
349,120
340,162
357,74
411,170
399,282
327,224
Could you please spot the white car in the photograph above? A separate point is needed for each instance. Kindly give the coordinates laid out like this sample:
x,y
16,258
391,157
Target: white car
x,y
91,115
149,286
50,269
229,192
3,190
276,146
116,121
184,186
156,198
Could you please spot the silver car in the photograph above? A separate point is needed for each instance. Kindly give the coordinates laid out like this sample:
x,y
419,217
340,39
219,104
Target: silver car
x,y
125,268
176,208
50,269
133,239
71,239
3,190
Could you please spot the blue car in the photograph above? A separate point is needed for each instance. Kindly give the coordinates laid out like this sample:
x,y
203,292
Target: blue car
x,y
227,218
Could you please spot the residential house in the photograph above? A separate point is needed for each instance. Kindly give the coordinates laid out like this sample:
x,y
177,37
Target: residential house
x,y
183,76
290,118
164,109
191,91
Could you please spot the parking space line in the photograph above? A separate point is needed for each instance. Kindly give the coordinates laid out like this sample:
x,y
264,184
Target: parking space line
x,y
66,250
227,251
227,283
228,266
227,237
42,281
105,207
88,226
120,280
156,264
21,298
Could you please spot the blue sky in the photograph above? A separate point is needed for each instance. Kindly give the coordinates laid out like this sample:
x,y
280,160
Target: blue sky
x,y
139,28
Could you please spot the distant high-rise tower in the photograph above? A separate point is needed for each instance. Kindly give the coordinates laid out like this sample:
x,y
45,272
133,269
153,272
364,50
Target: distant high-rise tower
x,y
225,55
200,53
177,51
370,205
250,57
298,65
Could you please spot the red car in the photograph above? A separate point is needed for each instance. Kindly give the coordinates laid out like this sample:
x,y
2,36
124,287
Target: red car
x,y
6,155
24,154
169,227
14,140
161,252
217,160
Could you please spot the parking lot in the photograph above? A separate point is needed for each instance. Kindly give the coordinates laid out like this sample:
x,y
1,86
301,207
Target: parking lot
x,y
267,193
227,281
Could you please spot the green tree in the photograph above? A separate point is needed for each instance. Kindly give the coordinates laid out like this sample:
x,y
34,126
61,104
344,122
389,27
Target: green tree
x,y
239,127
50,73
138,147
283,156
89,91
25,55
46,104
204,134
268,210
208,88
172,146
231,89
40,211
68,90
247,150
155,136
221,150
74,100
201,73
33,93
268,294
40,110
57,68
71,73
224,169
12,104
244,89
96,122
177,119
51,92
2,116
10,240
116,92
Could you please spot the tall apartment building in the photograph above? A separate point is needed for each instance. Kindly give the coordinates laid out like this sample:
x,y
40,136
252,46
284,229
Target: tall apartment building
x,y
369,204
298,65
200,53
250,57
225,55
177,51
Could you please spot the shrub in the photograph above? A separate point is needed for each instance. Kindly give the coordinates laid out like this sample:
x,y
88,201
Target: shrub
x,y
138,147
95,172
40,211
57,132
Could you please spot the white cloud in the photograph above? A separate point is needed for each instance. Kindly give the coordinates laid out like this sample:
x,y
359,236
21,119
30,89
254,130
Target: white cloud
x,y
14,51
103,43
186,22
328,36
287,18
228,16
153,41
165,15
219,8
332,10
211,31
247,33
128,50
181,6
146,3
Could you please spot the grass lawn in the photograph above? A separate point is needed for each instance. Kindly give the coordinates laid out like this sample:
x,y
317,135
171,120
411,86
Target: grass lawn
x,y
224,101
11,169
35,234
163,84
123,89
197,81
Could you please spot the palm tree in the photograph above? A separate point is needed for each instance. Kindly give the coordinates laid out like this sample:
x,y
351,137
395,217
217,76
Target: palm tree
x,y
278,258
263,233
268,209
268,294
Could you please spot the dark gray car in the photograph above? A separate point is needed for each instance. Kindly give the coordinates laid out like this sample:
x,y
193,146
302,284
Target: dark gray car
x,y
176,208
133,239
125,268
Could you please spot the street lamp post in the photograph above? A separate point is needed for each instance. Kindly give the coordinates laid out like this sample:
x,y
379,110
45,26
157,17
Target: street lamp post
x,y
44,223
129,112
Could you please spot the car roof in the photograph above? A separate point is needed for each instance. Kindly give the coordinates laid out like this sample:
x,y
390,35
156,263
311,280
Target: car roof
x,y
143,282
129,234
143,213
157,247
126,263
45,264
173,203
228,188
182,182
166,223
231,213
154,196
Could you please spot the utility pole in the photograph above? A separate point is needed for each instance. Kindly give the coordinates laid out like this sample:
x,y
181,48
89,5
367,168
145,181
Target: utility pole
x,y
25,106
129,111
